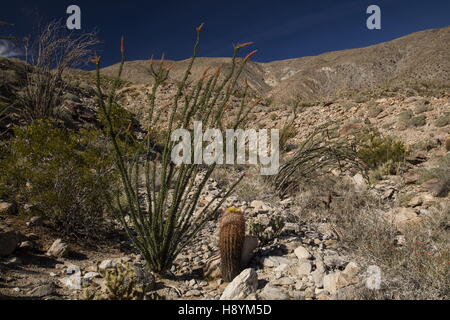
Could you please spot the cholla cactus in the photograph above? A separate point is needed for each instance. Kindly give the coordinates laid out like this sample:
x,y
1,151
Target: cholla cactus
x,y
121,283
231,241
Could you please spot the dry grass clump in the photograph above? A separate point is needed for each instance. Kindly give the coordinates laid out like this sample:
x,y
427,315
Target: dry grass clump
x,y
416,269
253,186
441,172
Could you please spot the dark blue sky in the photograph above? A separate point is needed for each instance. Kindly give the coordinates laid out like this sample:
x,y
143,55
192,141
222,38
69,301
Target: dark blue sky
x,y
280,29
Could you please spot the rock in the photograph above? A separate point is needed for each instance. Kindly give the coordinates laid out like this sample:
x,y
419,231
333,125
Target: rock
x,y
309,293
334,281
107,264
58,249
282,268
242,286
290,227
273,293
403,217
72,282
317,276
433,186
285,281
34,221
359,181
259,206
275,261
334,261
330,283
302,253
193,293
43,290
90,276
411,177
9,241
250,244
351,270
13,261
72,269
415,202
27,245
304,268
8,208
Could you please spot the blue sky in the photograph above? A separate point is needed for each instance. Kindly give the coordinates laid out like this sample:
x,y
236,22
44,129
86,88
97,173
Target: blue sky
x,y
280,29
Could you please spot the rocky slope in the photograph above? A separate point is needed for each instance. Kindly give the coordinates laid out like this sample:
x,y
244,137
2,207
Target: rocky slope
x,y
413,61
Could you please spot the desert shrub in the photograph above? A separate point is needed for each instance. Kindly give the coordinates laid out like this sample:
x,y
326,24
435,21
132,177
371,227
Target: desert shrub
x,y
320,152
288,132
50,53
374,111
441,172
405,116
375,149
61,173
273,116
443,120
447,144
418,121
421,108
417,269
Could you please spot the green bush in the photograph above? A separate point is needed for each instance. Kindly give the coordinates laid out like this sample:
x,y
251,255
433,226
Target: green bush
x,y
374,111
443,120
418,121
376,150
61,173
421,108
405,116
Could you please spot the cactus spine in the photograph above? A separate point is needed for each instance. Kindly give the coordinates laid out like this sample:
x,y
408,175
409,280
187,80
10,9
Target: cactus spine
x,y
231,241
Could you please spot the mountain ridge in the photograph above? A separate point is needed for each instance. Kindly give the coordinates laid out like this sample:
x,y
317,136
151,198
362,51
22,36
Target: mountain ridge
x,y
420,58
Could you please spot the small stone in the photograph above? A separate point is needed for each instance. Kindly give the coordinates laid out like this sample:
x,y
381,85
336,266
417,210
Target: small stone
x,y
274,261
73,282
415,202
304,268
58,249
284,281
8,208
107,264
302,253
14,261
9,241
273,293
43,290
72,269
242,286
27,245
34,221
193,293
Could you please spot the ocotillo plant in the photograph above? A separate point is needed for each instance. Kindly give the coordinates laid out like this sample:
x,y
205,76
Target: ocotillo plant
x,y
161,215
231,241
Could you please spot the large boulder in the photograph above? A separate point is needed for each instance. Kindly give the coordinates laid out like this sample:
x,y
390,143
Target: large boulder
x,y
58,249
9,241
242,286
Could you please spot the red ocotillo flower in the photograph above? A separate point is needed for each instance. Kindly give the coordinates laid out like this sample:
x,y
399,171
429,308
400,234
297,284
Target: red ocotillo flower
x,y
95,60
242,45
200,27
247,57
122,44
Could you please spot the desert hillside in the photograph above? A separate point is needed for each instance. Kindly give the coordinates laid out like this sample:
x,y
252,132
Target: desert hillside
x,y
412,62
359,209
